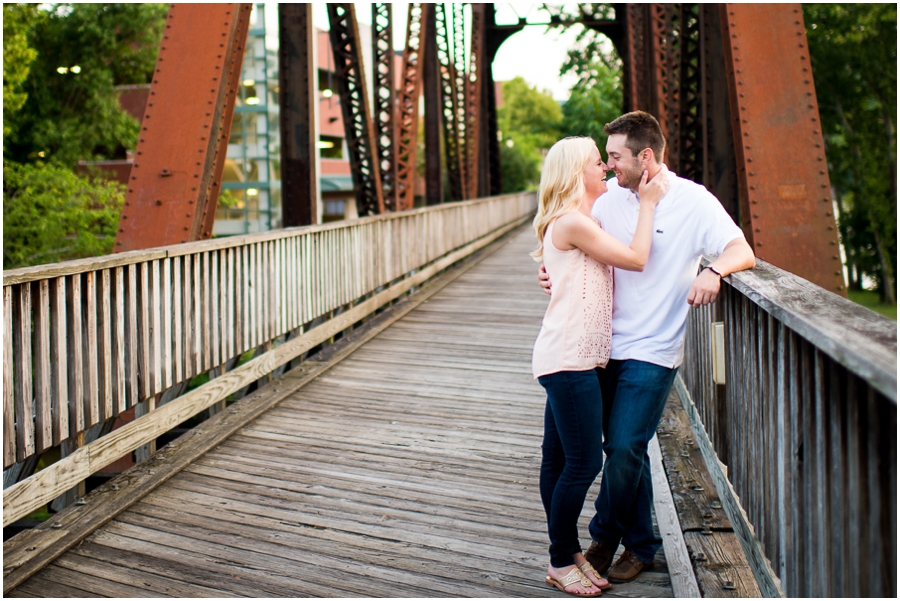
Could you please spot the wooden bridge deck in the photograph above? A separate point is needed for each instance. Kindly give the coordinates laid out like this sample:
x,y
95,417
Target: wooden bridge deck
x,y
410,469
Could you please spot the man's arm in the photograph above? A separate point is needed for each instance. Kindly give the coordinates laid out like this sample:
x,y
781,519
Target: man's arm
x,y
544,280
737,256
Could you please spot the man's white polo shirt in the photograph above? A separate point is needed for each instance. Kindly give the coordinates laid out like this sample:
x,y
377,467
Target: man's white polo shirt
x,y
650,308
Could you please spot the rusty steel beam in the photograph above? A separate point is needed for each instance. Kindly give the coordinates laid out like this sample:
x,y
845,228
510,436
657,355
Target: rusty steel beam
x,y
299,100
358,123
473,100
448,102
385,95
719,174
176,177
783,175
460,71
434,188
408,106
692,89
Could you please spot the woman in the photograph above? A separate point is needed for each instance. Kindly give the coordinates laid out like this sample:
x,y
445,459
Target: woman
x,y
575,339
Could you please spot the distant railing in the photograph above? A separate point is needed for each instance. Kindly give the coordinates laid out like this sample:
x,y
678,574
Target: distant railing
x,y
85,340
806,427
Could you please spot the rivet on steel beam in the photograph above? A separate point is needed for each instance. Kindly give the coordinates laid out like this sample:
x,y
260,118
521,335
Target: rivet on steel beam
x,y
749,159
121,230
837,273
805,81
165,173
830,227
743,108
734,35
158,202
751,174
188,215
753,187
834,257
756,215
149,104
185,228
759,243
840,287
741,94
833,243
124,216
757,230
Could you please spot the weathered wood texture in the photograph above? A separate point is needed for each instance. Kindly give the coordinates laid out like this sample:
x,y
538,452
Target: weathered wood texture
x,y
408,470
716,557
338,265
807,430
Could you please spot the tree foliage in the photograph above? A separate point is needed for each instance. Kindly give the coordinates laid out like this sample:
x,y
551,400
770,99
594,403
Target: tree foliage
x,y
50,214
596,98
529,123
17,58
853,48
82,52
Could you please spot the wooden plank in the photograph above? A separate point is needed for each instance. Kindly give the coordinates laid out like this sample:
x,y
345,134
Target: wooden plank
x,y
722,568
177,321
105,503
156,331
166,341
112,574
144,310
132,336
855,337
9,407
197,366
684,583
43,426
22,378
222,321
120,402
91,347
692,486
77,266
214,323
75,355
105,351
768,581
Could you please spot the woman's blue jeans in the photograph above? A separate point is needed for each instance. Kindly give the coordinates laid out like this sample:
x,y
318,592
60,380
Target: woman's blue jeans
x,y
572,455
634,394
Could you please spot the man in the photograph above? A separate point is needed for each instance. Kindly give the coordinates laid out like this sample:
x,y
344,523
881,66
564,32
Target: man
x,y
650,310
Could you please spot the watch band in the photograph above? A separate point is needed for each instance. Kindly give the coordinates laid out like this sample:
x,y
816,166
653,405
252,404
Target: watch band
x,y
714,270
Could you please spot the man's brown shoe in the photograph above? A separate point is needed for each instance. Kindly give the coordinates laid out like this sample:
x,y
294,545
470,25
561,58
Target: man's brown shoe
x,y
601,555
627,568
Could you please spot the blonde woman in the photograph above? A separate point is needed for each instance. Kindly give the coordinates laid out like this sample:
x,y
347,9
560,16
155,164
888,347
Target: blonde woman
x,y
575,339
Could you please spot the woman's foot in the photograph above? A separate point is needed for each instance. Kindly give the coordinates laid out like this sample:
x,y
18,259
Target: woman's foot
x,y
588,570
571,580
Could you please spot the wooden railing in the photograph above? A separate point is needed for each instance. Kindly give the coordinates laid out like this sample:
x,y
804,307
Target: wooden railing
x,y
805,428
85,340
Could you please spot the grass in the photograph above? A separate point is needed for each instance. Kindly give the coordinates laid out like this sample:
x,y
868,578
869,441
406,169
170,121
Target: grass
x,y
870,300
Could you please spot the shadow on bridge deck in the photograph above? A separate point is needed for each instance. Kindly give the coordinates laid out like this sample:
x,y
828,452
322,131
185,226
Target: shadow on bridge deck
x,y
409,469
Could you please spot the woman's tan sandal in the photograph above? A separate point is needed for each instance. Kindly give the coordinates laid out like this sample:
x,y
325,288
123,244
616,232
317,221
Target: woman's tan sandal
x,y
575,576
586,567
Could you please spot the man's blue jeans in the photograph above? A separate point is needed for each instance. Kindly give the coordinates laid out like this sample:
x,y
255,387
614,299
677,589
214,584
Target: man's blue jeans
x,y
571,456
634,396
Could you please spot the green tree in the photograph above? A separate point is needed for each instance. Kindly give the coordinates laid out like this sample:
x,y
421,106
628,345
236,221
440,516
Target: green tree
x,y
529,122
83,51
17,58
50,214
853,48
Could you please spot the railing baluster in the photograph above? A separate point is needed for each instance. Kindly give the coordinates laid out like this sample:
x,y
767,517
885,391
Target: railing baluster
x,y
41,352
9,410
178,320
75,357
166,309
91,384
104,334
119,354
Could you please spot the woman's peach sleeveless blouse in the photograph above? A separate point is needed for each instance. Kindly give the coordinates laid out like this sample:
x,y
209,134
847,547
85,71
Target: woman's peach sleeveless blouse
x,y
577,329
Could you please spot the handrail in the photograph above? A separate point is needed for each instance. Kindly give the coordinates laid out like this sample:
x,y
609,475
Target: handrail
x,y
94,337
805,428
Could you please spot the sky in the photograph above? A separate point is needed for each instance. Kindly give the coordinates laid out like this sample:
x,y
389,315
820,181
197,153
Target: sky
x,y
535,54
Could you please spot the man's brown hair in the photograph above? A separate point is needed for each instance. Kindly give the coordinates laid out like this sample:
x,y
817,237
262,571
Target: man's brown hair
x,y
642,131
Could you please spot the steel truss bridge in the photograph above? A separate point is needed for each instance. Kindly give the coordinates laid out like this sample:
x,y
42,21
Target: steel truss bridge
x,y
372,426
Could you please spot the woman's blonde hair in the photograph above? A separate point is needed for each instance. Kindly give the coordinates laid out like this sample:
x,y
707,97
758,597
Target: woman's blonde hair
x,y
562,184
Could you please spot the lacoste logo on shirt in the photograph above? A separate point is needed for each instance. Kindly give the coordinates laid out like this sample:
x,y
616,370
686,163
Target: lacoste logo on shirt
x,y
659,231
